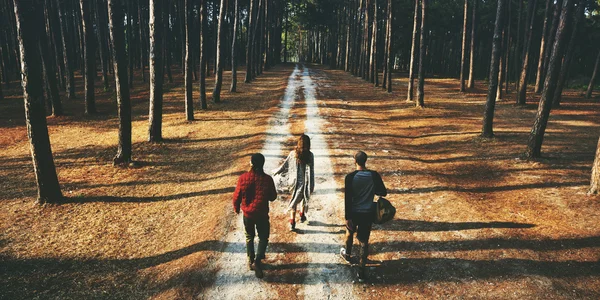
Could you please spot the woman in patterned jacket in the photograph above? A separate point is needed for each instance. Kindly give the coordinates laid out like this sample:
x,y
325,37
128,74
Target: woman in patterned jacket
x,y
299,166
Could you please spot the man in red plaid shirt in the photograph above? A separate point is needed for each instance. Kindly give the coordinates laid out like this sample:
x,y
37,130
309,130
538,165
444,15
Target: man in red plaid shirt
x,y
253,192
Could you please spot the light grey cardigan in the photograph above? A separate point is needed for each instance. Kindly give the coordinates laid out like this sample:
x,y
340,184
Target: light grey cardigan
x,y
291,169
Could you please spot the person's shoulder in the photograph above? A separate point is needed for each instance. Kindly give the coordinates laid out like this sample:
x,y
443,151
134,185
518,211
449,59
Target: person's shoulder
x,y
351,174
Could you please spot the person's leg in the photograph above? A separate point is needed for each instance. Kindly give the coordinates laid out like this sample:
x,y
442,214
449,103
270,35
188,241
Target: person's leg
x,y
263,227
249,226
363,234
303,209
292,217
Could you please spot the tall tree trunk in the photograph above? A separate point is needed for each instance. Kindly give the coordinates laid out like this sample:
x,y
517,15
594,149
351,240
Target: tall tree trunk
x,y
219,53
463,55
390,56
142,41
536,136
101,25
285,48
540,67
117,36
522,97
471,83
28,19
67,53
167,7
373,58
156,70
236,16
250,41
516,57
490,104
568,54
189,100
421,88
508,47
130,42
595,180
50,74
88,56
413,53
590,88
552,35
203,63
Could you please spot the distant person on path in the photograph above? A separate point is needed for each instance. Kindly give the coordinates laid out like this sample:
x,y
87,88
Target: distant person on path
x,y
360,188
299,166
253,192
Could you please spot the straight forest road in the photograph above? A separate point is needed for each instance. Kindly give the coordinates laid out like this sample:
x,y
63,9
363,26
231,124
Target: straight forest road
x,y
323,275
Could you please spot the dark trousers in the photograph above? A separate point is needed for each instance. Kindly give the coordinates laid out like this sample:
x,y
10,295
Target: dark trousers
x,y
361,224
262,227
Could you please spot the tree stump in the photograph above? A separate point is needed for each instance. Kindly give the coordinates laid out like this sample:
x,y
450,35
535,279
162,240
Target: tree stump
x,y
595,182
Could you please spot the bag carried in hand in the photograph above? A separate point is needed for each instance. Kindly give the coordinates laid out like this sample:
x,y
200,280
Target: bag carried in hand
x,y
384,211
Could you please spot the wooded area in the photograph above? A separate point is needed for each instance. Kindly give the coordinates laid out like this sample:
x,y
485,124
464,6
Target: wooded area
x,y
463,100
359,36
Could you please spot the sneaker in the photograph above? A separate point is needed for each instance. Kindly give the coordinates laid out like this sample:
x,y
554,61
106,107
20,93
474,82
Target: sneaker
x,y
347,258
292,225
302,218
258,269
251,265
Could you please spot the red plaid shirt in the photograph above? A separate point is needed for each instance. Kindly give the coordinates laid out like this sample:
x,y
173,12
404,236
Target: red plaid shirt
x,y
253,192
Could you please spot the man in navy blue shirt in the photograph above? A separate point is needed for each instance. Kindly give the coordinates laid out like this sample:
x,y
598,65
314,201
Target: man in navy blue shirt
x,y
360,188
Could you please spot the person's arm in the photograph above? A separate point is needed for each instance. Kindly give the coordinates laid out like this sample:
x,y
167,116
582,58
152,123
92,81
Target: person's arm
x,y
237,196
271,190
283,166
379,187
348,196
312,172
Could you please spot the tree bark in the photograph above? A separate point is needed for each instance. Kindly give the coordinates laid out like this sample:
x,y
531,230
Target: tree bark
x,y
88,56
590,88
463,56
522,97
236,16
390,56
50,74
156,70
552,36
189,100
413,53
490,104
421,88
250,41
373,58
67,53
536,136
595,180
117,36
203,29
471,83
219,53
540,67
28,20
142,42
568,54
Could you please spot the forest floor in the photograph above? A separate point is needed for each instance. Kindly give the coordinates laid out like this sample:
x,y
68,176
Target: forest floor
x,y
474,219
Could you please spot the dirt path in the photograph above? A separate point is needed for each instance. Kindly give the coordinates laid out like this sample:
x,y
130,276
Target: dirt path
x,y
316,241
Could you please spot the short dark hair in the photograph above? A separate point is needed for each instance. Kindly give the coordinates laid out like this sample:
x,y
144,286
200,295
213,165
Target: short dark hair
x,y
361,158
258,161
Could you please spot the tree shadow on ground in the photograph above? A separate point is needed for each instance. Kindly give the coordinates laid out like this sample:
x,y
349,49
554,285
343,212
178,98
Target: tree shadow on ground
x,y
136,199
416,225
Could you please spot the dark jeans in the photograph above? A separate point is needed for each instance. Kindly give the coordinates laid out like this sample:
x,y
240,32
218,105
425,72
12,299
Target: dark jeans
x,y
263,227
361,224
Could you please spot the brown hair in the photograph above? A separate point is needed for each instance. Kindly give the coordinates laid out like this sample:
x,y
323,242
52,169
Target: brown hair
x,y
303,149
